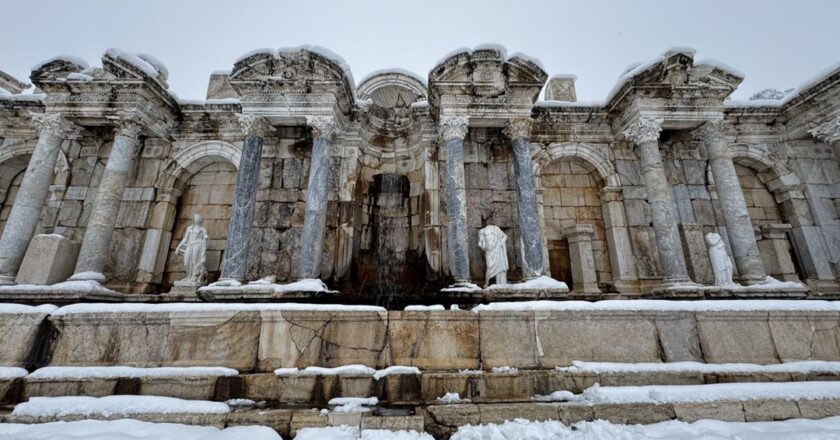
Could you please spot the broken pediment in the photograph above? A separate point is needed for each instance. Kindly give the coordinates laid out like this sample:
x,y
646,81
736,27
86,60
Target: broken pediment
x,y
56,68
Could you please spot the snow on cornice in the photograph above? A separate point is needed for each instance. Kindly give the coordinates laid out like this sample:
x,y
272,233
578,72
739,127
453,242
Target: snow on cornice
x,y
795,93
66,58
503,52
393,70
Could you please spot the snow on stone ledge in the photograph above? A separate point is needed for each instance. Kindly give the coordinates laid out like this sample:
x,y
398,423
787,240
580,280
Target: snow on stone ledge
x,y
539,283
128,372
802,367
115,406
355,369
70,286
433,308
20,309
395,370
133,429
304,285
208,307
66,58
147,64
666,305
7,373
713,392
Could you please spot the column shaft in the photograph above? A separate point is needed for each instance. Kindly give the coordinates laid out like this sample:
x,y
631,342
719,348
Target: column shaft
x,y
645,134
454,129
100,228
526,196
242,209
315,218
26,210
733,206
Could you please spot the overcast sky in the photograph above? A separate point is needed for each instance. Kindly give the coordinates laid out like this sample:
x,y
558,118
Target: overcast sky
x,y
777,44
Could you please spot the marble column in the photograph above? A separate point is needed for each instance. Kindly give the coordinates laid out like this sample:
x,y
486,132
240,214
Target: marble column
x,y
645,134
317,191
739,227
618,239
53,129
584,275
519,131
453,130
244,201
96,243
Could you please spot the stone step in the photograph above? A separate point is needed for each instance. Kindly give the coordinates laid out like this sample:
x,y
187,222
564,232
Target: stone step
x,y
397,389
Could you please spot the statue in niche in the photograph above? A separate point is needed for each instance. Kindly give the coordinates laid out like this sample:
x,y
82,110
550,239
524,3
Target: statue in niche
x,y
492,241
721,264
194,249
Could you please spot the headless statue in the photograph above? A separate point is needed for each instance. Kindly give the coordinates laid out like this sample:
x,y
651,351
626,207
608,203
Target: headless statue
x,y
492,241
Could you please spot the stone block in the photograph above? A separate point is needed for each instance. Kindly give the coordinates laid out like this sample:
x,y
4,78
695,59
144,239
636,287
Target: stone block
x,y
678,338
805,335
498,329
18,336
190,388
819,409
276,419
499,413
770,410
434,340
393,423
496,387
399,389
94,387
455,415
634,413
736,337
436,385
49,259
571,413
691,412
307,419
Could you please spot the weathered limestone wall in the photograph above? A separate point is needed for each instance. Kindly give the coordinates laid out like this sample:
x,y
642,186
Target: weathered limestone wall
x,y
9,198
260,341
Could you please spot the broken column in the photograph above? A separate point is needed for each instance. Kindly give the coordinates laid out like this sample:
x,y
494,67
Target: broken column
x,y
53,129
584,275
315,217
644,133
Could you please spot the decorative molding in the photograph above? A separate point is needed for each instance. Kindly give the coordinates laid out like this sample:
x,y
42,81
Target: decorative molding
x,y
454,127
711,131
518,128
644,130
128,128
254,125
322,126
53,124
828,132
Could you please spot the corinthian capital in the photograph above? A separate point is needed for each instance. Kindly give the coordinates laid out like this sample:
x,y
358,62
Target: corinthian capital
x,y
322,126
644,130
52,124
827,132
454,127
518,128
254,125
711,131
128,128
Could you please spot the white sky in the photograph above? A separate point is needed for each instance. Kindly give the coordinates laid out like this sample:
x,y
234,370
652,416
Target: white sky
x,y
777,44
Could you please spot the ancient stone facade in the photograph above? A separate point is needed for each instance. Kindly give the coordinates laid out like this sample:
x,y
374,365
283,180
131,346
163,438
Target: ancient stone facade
x,y
380,189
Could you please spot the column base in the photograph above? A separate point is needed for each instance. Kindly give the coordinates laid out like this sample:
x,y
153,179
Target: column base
x,y
7,280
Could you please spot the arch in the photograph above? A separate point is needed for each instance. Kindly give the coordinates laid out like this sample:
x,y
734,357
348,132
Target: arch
x,y
585,152
188,161
770,169
14,157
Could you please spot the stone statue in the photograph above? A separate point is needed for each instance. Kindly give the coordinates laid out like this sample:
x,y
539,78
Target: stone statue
x,y
194,248
721,264
492,240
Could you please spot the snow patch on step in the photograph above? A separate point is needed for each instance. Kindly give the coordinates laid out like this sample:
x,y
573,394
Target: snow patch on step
x,y
128,372
109,406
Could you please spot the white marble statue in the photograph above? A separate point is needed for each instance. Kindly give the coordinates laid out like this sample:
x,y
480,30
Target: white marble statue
x,y
721,264
194,248
492,240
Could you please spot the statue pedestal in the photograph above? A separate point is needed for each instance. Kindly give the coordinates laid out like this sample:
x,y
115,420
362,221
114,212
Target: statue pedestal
x,y
185,288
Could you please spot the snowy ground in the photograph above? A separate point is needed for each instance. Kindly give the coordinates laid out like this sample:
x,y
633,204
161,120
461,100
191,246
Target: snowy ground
x,y
130,430
799,429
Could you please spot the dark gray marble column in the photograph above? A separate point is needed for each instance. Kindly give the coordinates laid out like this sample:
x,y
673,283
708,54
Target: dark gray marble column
x,y
244,198
739,227
23,218
453,129
645,134
315,218
100,227
519,131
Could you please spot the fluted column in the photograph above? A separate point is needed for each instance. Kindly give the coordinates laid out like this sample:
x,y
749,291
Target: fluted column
x,y
53,129
519,131
100,228
453,130
739,227
244,198
317,191
645,134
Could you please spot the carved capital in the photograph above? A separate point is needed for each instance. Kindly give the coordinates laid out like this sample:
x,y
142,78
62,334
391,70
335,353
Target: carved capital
x,y
128,128
253,124
53,124
711,131
828,132
454,127
322,126
518,128
644,130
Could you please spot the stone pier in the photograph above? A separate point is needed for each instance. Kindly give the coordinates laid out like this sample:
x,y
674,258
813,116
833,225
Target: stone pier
x,y
314,223
53,129
519,131
584,277
100,228
244,198
453,129
645,135
739,227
